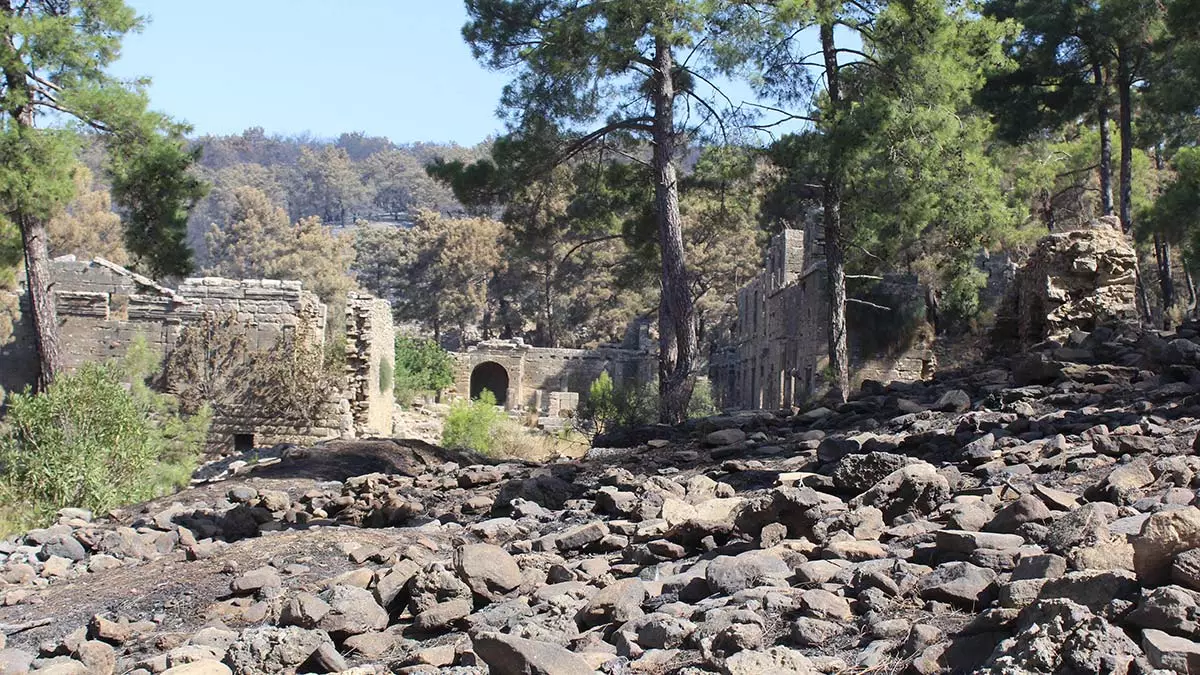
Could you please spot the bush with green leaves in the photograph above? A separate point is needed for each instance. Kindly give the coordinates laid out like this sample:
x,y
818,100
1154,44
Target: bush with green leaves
x,y
473,425
610,405
422,366
97,438
702,403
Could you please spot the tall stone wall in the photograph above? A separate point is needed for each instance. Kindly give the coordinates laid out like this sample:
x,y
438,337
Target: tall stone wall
x,y
778,348
103,308
370,362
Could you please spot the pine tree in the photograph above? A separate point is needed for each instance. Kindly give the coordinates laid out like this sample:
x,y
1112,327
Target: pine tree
x,y
53,55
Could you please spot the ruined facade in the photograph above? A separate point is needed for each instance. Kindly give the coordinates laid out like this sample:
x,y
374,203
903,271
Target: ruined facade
x,y
550,381
1074,280
103,309
778,347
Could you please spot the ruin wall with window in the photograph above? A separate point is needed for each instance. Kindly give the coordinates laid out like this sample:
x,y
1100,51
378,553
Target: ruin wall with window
x,y
776,352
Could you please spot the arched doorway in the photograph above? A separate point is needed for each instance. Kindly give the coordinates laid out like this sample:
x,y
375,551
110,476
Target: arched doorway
x,y
493,377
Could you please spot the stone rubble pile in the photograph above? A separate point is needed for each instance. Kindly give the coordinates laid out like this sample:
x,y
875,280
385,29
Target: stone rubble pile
x,y
1032,516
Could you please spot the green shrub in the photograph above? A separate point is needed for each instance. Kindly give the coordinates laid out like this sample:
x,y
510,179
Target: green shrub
x,y
702,403
609,406
99,437
422,366
474,425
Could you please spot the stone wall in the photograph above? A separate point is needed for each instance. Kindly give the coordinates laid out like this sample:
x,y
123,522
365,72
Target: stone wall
x,y
534,374
370,355
778,348
103,308
1074,280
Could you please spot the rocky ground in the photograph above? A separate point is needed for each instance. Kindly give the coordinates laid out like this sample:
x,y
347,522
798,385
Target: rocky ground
x,y
1034,515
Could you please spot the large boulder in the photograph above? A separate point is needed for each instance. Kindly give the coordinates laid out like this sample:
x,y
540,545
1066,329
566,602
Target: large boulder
x,y
916,488
268,650
1164,535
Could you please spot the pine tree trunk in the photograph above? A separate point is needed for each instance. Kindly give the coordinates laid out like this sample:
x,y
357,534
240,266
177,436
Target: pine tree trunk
x,y
676,318
832,202
1125,126
1163,248
1106,193
33,236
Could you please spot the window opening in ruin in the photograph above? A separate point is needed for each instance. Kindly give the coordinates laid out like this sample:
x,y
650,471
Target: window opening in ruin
x,y
243,442
493,377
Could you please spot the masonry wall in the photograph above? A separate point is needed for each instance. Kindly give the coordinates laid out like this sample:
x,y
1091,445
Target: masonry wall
x,y
370,347
536,372
103,308
777,351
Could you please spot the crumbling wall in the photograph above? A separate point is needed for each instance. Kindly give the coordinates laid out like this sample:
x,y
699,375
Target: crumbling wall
x,y
777,353
1074,280
370,363
103,308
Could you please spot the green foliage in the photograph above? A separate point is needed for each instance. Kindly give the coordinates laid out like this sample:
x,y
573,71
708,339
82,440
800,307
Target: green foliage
x,y
421,366
95,442
261,242
154,186
1176,212
473,425
703,403
609,406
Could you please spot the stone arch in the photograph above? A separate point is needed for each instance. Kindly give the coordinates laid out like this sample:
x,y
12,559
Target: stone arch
x,y
493,377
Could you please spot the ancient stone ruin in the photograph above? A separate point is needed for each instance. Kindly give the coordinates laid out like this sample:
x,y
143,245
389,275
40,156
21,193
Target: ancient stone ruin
x,y
547,380
778,346
1073,281
103,309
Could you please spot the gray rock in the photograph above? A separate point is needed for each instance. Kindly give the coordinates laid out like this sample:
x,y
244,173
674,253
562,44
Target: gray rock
x,y
1169,608
617,602
959,584
63,546
352,611
729,574
267,650
724,437
856,474
916,488
1165,534
808,632
510,655
1185,570
1025,509
959,541
955,400
663,631
303,609
441,615
262,579
488,570
581,536
1067,635
1092,589
776,660
1170,652
1085,526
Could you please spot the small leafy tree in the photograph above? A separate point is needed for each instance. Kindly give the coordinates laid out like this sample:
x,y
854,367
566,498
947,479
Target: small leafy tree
x,y
473,425
421,366
610,406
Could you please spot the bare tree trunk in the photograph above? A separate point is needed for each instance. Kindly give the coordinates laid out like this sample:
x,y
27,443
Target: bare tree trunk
x,y
1191,287
1125,126
676,316
835,267
1106,194
1162,248
33,230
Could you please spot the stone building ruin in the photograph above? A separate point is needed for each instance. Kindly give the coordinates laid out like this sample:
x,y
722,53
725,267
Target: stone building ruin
x,y
778,349
1074,280
102,309
551,381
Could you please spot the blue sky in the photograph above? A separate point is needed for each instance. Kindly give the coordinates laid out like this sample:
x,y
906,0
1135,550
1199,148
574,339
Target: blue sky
x,y
395,68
